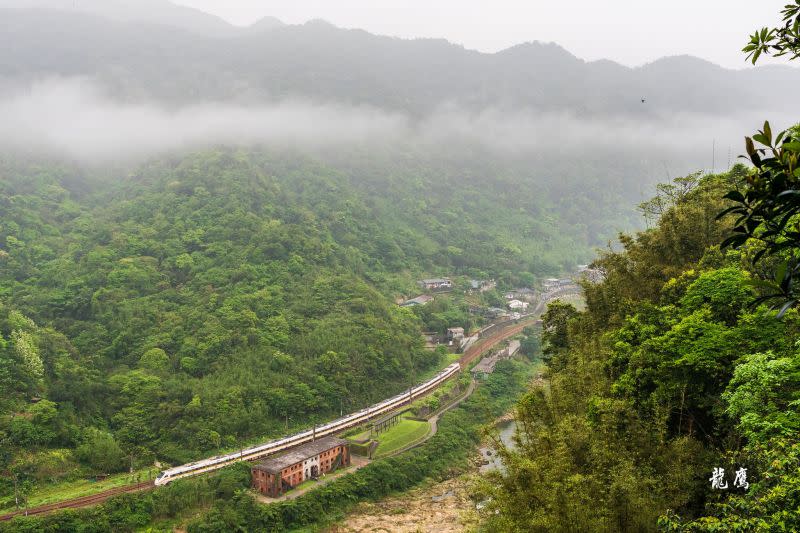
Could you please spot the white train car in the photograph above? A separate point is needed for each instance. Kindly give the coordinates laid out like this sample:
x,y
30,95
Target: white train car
x,y
336,426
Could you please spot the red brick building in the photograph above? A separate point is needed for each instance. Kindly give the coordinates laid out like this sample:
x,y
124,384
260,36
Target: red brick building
x,y
276,475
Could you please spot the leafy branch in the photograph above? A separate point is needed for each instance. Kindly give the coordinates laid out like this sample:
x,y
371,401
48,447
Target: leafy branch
x,y
781,41
768,211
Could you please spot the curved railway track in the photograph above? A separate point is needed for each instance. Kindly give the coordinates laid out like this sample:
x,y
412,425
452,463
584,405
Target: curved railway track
x,y
484,344
474,351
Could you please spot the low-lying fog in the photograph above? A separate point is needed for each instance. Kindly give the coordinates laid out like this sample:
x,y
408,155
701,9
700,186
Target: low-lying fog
x,y
72,117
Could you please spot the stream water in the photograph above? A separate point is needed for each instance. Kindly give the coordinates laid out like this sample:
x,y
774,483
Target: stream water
x,y
489,455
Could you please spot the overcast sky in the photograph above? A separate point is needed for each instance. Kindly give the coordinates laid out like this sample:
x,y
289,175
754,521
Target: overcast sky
x,y
631,32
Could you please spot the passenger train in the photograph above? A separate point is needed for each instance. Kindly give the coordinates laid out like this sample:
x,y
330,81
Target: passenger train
x,y
336,426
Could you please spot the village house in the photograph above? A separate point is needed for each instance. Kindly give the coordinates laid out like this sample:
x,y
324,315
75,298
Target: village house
x,y
552,284
419,300
592,275
512,348
518,304
436,284
279,474
455,334
525,294
482,285
496,312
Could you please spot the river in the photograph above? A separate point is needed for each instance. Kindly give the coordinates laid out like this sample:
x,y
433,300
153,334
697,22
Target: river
x,y
507,430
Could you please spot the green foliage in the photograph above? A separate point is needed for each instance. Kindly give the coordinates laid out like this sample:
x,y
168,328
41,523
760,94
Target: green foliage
x,y
101,452
232,508
668,373
134,512
767,206
530,345
763,396
770,505
444,313
725,291
555,324
767,203
780,41
197,303
154,359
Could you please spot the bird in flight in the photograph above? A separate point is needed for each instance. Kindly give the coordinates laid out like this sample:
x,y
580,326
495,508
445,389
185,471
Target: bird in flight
x,y
643,100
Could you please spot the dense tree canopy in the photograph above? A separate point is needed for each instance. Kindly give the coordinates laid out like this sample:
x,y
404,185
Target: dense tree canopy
x,y
669,373
200,302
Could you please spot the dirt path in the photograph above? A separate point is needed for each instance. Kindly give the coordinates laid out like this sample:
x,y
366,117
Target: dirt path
x,y
434,421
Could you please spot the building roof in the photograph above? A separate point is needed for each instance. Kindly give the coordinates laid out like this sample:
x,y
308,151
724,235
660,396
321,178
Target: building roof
x,y
456,330
486,365
275,465
419,300
436,280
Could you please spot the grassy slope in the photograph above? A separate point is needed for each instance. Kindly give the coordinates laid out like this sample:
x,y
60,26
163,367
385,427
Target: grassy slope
x,y
402,434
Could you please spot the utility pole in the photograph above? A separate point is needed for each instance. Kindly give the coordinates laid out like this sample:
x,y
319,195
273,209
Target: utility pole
x,y
713,155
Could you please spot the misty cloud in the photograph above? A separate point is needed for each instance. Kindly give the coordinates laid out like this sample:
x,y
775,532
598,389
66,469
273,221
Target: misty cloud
x,y
74,118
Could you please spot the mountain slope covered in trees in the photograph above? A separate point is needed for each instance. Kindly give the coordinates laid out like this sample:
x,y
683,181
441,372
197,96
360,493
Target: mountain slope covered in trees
x,y
669,374
198,302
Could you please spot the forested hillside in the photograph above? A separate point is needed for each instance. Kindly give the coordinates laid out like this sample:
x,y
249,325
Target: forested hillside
x,y
207,233
668,374
194,303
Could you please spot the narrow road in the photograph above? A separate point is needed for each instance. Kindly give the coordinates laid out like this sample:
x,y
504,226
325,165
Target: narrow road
x,y
434,420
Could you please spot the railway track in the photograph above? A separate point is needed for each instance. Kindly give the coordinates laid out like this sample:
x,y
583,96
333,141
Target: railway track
x,y
480,347
474,352
84,501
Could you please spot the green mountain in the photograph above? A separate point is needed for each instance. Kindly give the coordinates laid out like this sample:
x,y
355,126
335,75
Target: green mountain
x,y
197,302
140,58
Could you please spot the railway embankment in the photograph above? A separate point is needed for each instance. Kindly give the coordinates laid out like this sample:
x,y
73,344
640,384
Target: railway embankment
x,y
497,336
